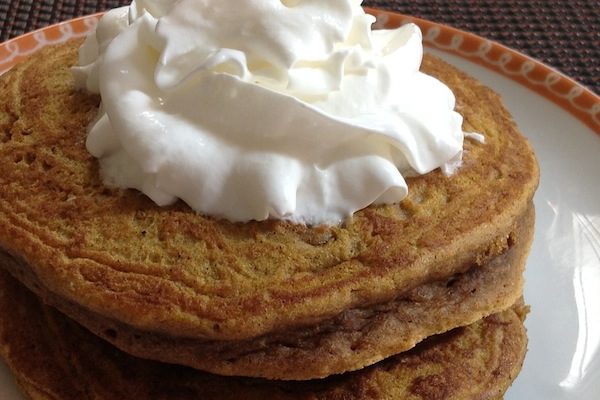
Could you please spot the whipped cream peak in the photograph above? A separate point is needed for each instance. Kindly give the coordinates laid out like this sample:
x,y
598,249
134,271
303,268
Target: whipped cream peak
x,y
261,109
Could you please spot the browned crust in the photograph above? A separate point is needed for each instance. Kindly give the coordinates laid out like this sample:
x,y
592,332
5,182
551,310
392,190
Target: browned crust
x,y
172,271
54,359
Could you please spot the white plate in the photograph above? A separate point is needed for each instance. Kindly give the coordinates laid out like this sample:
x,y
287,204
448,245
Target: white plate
x,y
563,271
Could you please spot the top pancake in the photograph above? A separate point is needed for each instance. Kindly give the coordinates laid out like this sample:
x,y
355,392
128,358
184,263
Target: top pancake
x,y
172,271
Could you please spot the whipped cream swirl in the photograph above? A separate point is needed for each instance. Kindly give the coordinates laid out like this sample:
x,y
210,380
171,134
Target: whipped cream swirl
x,y
248,110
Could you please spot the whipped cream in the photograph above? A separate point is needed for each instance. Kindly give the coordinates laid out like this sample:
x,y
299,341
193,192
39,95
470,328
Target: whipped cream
x,y
248,110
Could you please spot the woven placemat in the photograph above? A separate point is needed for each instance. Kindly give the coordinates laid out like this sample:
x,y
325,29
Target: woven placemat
x,y
563,34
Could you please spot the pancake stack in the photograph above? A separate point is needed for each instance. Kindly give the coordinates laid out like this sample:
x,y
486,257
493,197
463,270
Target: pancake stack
x,y
108,296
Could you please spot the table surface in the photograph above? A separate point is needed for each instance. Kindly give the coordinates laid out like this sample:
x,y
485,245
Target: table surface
x,y
564,34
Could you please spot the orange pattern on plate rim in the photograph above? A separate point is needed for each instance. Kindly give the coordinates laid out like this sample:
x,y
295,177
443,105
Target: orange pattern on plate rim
x,y
579,101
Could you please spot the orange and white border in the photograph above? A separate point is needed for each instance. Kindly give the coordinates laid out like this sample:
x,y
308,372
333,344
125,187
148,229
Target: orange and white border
x,y
579,101
14,50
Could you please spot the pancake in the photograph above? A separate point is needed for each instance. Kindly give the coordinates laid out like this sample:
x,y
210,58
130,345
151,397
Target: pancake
x,y
174,272
266,299
53,358
350,341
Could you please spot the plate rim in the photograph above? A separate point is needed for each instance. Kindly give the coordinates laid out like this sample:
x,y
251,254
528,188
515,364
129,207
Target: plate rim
x,y
546,81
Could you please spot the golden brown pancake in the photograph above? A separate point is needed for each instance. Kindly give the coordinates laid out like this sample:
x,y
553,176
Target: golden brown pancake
x,y
350,341
53,358
173,271
126,268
